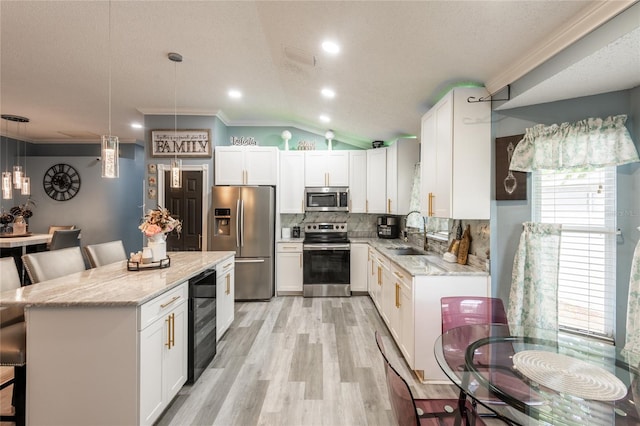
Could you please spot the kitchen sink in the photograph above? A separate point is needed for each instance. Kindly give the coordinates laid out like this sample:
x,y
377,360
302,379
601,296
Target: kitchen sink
x,y
405,251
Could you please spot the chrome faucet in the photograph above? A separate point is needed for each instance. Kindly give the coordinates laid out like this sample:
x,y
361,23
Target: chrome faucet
x,y
424,227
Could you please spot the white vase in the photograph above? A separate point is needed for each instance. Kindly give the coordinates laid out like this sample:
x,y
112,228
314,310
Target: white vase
x,y
158,246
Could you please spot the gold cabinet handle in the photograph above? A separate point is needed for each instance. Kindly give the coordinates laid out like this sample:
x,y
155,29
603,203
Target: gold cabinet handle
x,y
199,241
227,265
379,275
430,212
228,290
173,330
388,205
397,295
398,275
168,321
164,305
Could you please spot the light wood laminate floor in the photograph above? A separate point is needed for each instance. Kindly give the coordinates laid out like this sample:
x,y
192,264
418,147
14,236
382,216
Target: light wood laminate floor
x,y
298,361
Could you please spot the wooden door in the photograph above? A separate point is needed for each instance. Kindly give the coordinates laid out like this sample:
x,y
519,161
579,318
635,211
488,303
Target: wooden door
x,y
186,204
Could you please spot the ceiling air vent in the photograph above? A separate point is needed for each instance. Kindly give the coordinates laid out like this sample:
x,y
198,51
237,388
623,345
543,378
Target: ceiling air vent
x,y
300,56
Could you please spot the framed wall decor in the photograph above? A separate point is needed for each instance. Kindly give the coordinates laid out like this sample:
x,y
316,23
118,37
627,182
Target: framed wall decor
x,y
509,185
182,143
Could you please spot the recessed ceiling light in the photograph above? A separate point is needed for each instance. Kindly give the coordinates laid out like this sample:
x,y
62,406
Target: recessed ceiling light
x,y
235,94
330,47
328,93
136,125
325,118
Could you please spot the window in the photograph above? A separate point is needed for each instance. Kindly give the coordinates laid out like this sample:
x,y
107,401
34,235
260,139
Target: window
x,y
584,202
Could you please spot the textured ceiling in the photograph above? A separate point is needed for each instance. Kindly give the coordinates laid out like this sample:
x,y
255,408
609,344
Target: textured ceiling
x,y
397,58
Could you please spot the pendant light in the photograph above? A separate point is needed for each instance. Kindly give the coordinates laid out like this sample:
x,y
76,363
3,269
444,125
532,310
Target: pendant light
x,y
110,143
25,189
15,179
176,164
7,192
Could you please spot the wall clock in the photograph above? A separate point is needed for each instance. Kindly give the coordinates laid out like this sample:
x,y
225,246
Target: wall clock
x,y
61,182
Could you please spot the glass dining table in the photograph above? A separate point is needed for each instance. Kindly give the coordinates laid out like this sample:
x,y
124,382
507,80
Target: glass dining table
x,y
541,377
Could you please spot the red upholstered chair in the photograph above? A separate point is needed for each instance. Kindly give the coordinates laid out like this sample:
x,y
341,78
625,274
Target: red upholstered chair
x,y
415,412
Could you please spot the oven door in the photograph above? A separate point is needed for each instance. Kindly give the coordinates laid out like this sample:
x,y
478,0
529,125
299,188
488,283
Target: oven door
x,y
326,270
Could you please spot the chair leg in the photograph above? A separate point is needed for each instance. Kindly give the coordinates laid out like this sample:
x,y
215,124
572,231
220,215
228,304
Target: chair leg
x,y
18,399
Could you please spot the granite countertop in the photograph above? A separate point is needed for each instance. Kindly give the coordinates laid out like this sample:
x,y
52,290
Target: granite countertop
x,y
114,285
424,264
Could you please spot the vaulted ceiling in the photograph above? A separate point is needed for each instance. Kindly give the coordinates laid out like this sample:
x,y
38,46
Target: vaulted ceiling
x,y
396,59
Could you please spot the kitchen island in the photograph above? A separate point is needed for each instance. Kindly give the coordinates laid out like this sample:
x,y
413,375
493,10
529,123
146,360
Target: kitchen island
x,y
108,346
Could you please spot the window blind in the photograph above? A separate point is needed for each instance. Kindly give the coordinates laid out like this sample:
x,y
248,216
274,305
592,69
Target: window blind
x,y
584,202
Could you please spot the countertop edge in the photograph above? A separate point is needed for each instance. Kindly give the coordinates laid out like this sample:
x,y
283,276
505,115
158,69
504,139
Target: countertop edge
x,y
132,302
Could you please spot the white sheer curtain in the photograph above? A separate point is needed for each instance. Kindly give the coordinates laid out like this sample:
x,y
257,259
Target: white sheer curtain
x,y
533,301
589,143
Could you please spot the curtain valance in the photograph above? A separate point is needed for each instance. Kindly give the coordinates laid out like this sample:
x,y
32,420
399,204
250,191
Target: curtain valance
x,y
586,144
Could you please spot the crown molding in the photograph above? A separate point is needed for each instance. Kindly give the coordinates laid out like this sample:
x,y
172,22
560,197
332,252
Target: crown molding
x,y
591,18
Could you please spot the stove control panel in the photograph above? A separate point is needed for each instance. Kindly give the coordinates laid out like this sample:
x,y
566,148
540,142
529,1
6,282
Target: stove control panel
x,y
325,227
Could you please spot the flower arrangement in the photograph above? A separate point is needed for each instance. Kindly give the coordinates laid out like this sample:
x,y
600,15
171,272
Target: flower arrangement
x,y
159,221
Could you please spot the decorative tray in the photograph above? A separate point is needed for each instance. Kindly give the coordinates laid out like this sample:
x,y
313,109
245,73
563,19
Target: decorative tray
x,y
8,235
139,266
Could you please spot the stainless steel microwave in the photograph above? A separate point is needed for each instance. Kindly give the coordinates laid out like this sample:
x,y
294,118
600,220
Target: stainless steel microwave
x,y
326,199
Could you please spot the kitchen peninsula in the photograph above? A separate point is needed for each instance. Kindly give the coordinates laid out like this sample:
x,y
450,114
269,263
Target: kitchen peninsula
x,y
108,346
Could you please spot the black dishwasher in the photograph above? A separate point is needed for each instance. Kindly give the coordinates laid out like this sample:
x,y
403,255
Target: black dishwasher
x,y
202,323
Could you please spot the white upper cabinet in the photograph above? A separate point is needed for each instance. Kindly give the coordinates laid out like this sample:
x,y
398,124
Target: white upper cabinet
x,y
358,181
246,165
291,185
376,180
326,168
456,157
402,157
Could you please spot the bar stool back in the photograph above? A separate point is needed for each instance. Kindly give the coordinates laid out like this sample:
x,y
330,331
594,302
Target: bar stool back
x,y
105,253
48,265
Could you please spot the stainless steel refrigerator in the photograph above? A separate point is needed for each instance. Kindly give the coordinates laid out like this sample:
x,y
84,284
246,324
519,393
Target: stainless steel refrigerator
x,y
244,222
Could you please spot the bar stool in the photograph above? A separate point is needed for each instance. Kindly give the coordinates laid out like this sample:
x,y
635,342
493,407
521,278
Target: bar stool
x,y
64,238
13,343
48,265
105,253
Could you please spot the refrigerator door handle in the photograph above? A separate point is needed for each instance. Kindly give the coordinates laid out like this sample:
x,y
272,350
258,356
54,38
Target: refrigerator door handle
x,y
249,260
238,223
241,223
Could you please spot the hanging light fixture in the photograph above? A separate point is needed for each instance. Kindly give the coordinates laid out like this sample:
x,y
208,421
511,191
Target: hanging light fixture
x,y
110,143
18,171
15,179
26,180
7,193
176,163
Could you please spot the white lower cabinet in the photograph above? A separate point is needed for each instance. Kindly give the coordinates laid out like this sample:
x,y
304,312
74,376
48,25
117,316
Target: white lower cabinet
x,y
163,347
359,277
225,296
410,307
289,267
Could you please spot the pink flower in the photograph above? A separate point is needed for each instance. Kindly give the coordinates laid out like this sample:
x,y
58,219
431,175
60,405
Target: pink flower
x,y
152,230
